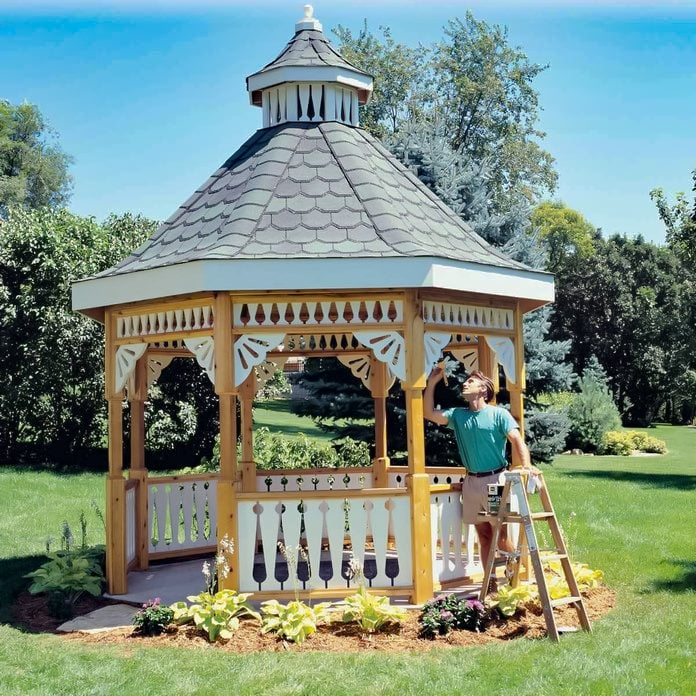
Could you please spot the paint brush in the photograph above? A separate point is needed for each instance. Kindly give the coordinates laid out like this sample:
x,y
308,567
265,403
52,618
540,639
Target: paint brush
x,y
441,365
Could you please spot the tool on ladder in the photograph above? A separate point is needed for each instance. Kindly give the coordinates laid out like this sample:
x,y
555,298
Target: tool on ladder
x,y
516,488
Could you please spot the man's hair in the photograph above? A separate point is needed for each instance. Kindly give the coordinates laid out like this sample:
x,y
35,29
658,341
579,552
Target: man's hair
x,y
488,383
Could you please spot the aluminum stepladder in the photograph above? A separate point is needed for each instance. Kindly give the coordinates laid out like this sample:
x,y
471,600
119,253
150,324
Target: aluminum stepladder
x,y
516,486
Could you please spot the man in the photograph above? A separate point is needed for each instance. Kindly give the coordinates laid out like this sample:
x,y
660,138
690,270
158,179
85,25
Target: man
x,y
481,432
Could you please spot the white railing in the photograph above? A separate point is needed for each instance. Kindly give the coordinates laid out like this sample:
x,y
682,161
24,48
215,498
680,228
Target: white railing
x,y
302,480
131,522
452,540
182,514
372,527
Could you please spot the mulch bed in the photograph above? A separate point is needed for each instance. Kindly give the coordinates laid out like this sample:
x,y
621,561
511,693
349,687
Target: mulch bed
x,y
30,612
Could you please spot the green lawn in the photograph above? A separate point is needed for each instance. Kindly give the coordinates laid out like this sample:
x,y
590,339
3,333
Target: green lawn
x,y
631,517
277,417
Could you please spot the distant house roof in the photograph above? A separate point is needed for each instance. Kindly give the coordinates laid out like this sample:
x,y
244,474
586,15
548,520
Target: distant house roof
x,y
324,190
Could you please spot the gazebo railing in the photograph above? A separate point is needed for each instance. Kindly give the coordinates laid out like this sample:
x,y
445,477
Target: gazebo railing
x,y
333,527
131,523
303,480
332,513
182,515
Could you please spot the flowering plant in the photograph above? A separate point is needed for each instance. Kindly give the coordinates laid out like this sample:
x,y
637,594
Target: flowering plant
x,y
152,618
447,612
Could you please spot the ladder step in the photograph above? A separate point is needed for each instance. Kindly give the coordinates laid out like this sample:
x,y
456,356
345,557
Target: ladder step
x,y
542,515
565,600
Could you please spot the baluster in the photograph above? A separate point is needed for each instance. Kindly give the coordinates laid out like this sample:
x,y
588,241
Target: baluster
x,y
187,509
335,527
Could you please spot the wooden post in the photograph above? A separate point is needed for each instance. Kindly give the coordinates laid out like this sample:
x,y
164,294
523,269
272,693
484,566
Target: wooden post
x,y
378,389
138,472
488,364
247,392
116,570
226,390
418,480
517,388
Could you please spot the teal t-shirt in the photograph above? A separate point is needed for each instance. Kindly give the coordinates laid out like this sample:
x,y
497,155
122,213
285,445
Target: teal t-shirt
x,y
481,436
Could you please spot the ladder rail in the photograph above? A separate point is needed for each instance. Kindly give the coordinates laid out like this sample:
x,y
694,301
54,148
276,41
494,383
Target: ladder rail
x,y
516,484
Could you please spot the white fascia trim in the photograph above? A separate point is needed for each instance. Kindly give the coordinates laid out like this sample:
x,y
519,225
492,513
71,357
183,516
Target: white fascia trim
x,y
319,73
258,275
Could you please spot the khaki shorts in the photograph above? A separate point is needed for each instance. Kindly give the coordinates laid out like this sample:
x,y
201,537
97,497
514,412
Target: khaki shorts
x,y
475,496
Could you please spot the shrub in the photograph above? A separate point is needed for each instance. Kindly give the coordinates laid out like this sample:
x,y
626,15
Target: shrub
x,y
152,618
592,413
546,433
617,443
624,443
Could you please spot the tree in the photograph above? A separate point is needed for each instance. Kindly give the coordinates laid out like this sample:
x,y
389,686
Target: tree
x,y
472,86
396,69
633,306
563,231
680,221
51,359
33,170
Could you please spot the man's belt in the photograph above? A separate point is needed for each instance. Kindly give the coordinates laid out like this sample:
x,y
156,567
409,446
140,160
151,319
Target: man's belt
x,y
478,474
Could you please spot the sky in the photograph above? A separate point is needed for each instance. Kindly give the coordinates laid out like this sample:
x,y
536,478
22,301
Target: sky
x,y
149,98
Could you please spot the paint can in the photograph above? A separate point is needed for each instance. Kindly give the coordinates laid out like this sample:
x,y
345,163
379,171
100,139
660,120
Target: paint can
x,y
495,493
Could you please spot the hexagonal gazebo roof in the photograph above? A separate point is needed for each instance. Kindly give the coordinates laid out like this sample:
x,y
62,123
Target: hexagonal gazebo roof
x,y
311,201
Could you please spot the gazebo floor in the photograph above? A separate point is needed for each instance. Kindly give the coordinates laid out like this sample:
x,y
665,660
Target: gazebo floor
x,y
174,581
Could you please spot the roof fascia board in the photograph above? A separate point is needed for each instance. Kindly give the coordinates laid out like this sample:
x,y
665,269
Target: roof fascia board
x,y
260,275
308,73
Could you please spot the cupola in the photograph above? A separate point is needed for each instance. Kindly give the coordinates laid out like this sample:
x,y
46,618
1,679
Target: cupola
x,y
309,81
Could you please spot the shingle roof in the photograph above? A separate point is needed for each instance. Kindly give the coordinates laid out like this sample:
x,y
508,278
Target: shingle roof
x,y
308,48
315,190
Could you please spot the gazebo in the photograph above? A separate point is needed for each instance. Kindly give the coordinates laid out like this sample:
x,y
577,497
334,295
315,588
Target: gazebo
x,y
310,240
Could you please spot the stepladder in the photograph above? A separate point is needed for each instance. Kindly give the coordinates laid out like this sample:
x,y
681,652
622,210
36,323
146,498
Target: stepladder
x,y
514,508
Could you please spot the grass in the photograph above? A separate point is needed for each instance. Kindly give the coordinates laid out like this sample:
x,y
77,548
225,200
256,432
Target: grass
x,y
277,417
633,518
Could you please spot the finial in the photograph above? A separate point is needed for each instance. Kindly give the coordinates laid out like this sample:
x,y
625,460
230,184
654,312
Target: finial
x,y
308,21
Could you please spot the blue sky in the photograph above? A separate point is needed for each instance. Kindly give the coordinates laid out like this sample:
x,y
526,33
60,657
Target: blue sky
x,y
149,97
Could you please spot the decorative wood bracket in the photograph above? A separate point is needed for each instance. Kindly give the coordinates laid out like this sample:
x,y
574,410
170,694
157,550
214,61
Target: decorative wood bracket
x,y
204,350
126,357
267,369
435,342
359,366
155,365
467,357
388,347
505,353
250,350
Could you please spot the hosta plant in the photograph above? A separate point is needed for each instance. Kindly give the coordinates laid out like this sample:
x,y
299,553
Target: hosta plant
x,y
293,621
509,599
218,615
371,612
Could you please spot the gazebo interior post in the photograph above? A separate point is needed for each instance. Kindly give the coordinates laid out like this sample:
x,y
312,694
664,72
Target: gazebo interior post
x,y
516,389
247,392
116,571
417,480
488,363
378,389
227,395
137,396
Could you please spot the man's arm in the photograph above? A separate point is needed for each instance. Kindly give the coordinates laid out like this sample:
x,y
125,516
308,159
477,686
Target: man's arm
x,y
429,410
518,444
